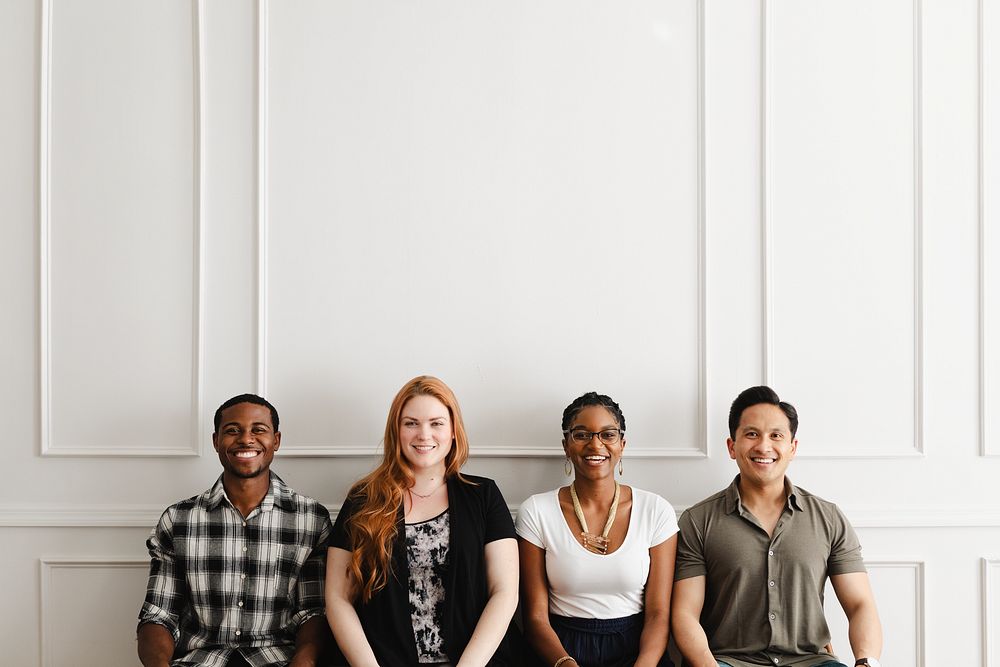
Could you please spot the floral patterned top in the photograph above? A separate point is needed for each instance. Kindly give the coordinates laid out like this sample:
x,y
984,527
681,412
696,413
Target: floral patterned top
x,y
427,558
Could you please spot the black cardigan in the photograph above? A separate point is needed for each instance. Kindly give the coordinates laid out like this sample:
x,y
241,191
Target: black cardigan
x,y
478,514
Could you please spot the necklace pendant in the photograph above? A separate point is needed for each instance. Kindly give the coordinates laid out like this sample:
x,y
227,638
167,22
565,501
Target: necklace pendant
x,y
596,543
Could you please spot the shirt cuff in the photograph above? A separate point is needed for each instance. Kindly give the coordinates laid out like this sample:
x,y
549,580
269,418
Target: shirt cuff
x,y
153,614
304,615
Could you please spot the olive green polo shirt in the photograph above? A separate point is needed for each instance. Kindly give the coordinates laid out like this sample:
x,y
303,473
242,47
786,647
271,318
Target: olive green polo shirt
x,y
764,594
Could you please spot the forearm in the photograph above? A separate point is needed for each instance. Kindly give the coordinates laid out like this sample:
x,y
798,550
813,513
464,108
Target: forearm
x,y
544,640
653,640
692,641
155,645
350,636
865,632
490,629
310,642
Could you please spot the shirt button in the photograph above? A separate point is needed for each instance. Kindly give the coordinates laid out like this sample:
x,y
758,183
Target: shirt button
x,y
244,549
771,616
770,552
775,660
770,583
244,524
238,634
240,604
243,576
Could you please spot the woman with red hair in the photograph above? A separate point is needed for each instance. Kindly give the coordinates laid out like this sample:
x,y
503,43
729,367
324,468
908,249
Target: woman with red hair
x,y
422,566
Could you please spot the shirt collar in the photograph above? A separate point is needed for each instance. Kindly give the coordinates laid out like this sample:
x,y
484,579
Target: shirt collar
x,y
735,504
277,494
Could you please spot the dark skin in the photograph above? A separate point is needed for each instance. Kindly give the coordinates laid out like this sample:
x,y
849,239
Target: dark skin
x,y
594,480
246,442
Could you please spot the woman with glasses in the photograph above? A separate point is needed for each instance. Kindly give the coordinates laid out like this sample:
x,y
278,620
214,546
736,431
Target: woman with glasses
x,y
597,557
422,565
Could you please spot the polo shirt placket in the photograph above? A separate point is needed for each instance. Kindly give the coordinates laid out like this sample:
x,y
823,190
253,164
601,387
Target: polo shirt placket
x,y
772,568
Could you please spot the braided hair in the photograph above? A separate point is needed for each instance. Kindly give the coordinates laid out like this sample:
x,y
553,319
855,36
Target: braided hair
x,y
592,398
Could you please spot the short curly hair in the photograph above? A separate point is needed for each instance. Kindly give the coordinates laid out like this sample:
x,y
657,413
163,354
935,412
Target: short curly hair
x,y
589,399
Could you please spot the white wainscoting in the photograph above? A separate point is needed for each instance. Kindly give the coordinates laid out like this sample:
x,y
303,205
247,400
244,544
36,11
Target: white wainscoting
x,y
989,224
117,173
71,590
991,612
899,591
482,231
832,310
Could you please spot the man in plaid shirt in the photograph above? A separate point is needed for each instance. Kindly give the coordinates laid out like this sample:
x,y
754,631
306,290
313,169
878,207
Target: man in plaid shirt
x,y
236,574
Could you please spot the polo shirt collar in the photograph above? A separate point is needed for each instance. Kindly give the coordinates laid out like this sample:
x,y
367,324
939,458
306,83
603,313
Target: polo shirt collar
x,y
735,504
793,495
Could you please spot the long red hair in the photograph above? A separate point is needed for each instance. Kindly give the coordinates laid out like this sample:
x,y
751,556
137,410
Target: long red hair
x,y
373,528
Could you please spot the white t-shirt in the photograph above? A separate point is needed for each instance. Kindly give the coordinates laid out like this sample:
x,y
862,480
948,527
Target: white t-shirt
x,y
583,584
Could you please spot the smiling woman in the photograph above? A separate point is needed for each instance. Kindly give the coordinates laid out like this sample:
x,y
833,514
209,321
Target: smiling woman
x,y
597,557
422,565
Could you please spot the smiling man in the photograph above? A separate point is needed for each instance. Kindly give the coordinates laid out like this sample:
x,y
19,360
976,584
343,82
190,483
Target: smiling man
x,y
752,560
236,574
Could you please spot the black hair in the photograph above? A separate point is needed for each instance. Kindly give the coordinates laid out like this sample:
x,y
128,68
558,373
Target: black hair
x,y
246,398
756,396
587,400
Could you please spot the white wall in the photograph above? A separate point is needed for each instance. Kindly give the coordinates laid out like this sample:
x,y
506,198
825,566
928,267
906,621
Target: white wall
x,y
666,202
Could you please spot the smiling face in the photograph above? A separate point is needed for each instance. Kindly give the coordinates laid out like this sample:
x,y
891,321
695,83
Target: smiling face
x,y
593,459
764,445
246,441
425,433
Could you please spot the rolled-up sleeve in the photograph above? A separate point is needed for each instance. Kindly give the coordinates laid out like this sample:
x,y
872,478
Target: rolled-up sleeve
x,y
165,589
312,577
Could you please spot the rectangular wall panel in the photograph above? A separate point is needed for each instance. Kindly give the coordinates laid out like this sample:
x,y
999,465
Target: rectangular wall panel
x,y
72,634
119,170
505,196
991,612
989,183
899,593
842,222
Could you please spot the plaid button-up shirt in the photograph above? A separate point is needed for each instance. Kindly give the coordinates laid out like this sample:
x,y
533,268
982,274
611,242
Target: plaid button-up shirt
x,y
223,583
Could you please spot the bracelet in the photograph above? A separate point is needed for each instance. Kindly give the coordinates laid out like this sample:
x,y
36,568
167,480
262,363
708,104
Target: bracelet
x,y
564,659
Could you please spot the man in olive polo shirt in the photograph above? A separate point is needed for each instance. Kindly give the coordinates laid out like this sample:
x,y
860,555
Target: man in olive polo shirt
x,y
752,560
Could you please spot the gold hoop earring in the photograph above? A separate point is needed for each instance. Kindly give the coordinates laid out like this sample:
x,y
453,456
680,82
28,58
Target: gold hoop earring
x,y
567,467
621,468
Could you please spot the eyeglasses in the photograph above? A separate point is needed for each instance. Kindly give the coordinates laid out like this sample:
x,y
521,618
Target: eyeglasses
x,y
608,436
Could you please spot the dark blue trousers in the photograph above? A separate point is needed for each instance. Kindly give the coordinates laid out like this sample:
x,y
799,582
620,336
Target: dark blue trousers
x,y
602,642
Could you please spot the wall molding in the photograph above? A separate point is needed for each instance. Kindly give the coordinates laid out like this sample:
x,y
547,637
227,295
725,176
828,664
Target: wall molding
x,y
700,450
485,451
47,446
767,236
990,575
145,515
263,7
984,204
47,566
920,598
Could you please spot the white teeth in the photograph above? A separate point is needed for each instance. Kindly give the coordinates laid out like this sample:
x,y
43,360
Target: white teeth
x,y
595,458
245,454
761,460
